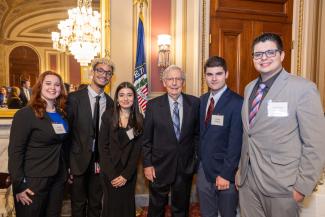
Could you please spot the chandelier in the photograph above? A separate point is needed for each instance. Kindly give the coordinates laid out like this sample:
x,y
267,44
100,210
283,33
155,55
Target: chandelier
x,y
80,33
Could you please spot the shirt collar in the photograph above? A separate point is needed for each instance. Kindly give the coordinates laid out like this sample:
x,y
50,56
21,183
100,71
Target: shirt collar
x,y
93,93
179,100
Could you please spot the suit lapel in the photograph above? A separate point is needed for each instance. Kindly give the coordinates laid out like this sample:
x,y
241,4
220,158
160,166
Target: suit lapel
x,y
187,112
203,107
245,112
165,112
85,105
275,89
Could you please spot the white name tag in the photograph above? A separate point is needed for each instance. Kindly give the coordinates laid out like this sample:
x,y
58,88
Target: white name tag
x,y
130,134
217,120
277,109
59,128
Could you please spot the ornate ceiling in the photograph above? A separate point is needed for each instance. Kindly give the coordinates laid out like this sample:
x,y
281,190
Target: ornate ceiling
x,y
33,20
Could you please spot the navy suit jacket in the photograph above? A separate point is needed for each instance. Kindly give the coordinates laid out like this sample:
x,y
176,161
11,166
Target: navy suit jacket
x,y
220,146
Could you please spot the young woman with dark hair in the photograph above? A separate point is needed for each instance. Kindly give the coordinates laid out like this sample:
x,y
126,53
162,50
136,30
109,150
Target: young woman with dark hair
x,y
119,146
36,150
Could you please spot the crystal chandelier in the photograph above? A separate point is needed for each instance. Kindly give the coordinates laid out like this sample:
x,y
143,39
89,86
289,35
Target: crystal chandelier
x,y
80,33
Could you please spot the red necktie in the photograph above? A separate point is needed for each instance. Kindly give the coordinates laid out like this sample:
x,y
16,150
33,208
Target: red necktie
x,y
209,113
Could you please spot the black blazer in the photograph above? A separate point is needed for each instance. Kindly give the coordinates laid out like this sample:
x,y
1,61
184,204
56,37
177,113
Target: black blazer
x,y
118,154
35,150
81,133
14,103
160,146
23,96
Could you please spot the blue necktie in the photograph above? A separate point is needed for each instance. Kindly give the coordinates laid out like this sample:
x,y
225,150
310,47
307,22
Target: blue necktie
x,y
176,121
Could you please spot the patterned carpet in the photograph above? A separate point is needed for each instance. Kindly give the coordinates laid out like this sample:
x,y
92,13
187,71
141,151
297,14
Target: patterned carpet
x,y
194,211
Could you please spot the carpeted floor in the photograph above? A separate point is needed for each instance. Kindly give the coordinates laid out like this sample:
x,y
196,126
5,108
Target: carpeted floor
x,y
194,211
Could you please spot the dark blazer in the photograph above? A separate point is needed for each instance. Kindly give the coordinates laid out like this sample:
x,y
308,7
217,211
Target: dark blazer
x,y
118,154
220,146
160,146
23,96
81,134
35,150
14,103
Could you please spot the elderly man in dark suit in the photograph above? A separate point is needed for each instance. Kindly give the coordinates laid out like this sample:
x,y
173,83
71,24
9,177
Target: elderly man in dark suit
x,y
85,108
171,133
220,142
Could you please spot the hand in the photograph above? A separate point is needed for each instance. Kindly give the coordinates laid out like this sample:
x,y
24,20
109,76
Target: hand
x,y
221,183
70,177
150,173
236,180
118,182
297,196
24,197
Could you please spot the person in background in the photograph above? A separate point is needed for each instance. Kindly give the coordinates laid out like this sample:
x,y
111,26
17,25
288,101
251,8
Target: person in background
x,y
3,96
85,109
25,91
14,101
37,157
119,150
170,140
283,150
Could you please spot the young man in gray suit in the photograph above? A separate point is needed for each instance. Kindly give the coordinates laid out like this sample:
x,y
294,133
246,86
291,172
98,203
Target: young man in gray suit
x,y
283,136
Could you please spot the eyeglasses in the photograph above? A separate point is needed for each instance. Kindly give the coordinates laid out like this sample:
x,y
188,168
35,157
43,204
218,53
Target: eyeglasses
x,y
268,54
103,72
174,79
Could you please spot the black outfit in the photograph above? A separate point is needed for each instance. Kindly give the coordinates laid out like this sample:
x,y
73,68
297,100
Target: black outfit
x,y
37,162
118,156
23,96
174,160
14,103
86,190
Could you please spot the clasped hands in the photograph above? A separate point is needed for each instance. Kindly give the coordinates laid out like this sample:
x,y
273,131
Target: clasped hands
x,y
118,182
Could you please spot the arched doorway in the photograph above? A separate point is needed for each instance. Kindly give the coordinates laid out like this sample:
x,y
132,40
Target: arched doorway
x,y
23,64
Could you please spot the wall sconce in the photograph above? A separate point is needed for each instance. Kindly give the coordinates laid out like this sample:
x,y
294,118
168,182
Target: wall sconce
x,y
164,42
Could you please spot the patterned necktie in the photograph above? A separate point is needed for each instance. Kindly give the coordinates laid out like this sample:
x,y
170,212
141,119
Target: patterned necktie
x,y
209,113
176,121
96,132
256,104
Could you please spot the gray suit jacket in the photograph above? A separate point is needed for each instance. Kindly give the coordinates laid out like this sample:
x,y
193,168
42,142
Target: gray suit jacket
x,y
284,152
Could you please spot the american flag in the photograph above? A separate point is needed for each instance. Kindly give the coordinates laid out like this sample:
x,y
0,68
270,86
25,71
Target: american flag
x,y
140,71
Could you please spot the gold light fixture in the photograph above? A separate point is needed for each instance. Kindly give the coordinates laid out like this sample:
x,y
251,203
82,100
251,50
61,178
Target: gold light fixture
x,y
80,33
164,42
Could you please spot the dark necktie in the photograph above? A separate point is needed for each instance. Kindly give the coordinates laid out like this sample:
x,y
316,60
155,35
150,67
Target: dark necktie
x,y
96,132
256,103
209,113
176,121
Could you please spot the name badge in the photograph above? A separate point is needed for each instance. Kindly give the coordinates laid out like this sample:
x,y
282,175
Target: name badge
x,y
217,120
59,128
277,109
130,133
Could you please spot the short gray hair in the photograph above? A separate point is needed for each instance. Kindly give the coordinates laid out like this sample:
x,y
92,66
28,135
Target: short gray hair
x,y
104,61
173,68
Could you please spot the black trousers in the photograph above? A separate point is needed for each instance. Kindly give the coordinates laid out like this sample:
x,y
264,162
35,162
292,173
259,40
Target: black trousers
x,y
47,198
86,194
180,197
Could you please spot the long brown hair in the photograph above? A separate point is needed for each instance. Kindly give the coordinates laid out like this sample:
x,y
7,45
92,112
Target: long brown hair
x,y
136,118
38,104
